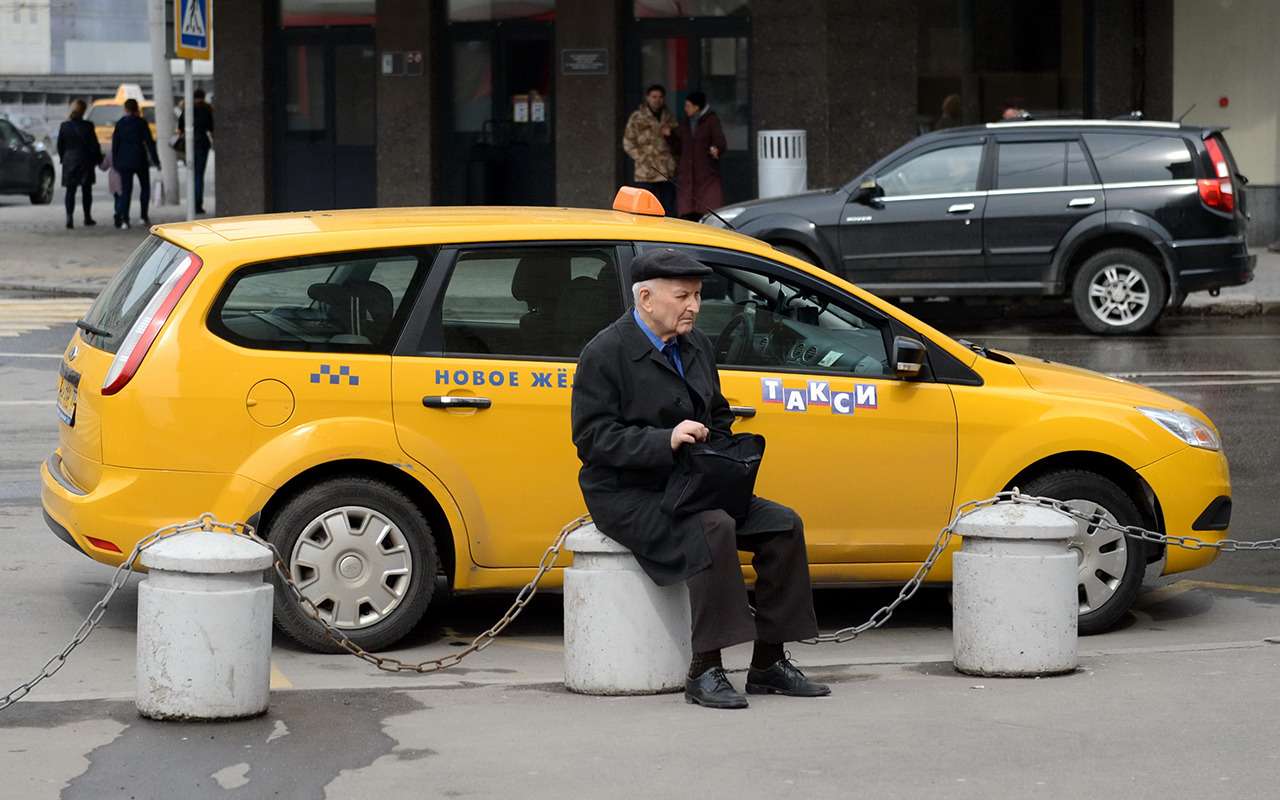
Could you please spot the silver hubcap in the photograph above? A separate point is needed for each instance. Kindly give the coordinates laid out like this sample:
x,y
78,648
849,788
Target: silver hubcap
x,y
1119,294
1101,556
354,564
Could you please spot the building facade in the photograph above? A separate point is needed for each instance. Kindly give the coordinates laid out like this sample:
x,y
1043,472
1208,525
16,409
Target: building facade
x,y
350,103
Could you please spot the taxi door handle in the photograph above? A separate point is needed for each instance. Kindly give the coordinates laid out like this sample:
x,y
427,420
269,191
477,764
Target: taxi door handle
x,y
450,401
746,412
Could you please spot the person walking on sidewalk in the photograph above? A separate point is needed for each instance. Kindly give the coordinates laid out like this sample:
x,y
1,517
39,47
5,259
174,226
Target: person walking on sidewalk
x,y
700,144
133,153
647,141
647,386
80,154
203,125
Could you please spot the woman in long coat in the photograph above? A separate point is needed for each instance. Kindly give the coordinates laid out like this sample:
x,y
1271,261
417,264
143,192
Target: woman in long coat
x,y
701,144
80,153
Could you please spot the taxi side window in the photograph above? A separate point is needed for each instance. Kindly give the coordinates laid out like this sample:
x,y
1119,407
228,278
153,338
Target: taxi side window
x,y
760,322
344,304
542,302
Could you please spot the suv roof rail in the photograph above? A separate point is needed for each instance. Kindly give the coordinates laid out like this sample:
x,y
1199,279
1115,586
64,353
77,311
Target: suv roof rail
x,y
1135,114
1043,123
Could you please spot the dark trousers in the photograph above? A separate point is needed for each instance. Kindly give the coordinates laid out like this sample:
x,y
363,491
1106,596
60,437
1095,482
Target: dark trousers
x,y
665,191
87,191
718,594
202,158
126,192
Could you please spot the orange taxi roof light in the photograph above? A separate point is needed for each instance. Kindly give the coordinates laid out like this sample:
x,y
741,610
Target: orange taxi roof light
x,y
638,201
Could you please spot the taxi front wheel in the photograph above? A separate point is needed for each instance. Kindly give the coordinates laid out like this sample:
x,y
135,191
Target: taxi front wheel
x,y
362,552
1110,565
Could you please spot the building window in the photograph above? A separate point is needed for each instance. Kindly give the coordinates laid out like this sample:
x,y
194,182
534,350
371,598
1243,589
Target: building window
x,y
326,13
977,59
652,9
492,10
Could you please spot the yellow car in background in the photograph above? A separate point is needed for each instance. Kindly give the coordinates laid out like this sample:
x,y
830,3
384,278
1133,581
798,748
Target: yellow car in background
x,y
385,393
106,112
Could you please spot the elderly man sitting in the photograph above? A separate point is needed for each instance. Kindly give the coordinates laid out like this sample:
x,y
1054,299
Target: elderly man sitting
x,y
646,386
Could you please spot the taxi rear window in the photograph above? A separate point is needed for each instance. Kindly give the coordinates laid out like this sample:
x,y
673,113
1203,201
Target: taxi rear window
x,y
344,302
120,304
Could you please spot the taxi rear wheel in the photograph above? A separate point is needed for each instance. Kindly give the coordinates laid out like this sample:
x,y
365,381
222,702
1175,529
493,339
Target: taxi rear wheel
x,y
1110,565
363,553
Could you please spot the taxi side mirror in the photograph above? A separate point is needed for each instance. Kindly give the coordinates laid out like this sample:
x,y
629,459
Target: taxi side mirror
x,y
908,357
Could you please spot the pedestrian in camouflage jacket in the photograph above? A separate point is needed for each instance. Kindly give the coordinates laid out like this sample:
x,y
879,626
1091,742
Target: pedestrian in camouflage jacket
x,y
647,141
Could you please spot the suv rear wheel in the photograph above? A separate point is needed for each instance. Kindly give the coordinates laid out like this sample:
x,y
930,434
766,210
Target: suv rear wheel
x,y
1110,565
362,552
1119,291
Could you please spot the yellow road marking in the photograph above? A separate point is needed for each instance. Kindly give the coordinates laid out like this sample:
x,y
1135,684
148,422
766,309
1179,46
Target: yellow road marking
x,y
278,680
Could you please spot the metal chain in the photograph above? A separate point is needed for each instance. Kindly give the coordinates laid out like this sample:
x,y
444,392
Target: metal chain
x,y
389,664
121,577
206,522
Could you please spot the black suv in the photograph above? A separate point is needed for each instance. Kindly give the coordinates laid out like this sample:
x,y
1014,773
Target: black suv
x,y
1126,217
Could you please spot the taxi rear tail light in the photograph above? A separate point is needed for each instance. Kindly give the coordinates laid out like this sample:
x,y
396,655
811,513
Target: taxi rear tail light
x,y
103,544
1218,191
147,327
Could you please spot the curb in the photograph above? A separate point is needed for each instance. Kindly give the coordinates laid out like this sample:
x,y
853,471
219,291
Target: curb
x,y
53,291
1251,308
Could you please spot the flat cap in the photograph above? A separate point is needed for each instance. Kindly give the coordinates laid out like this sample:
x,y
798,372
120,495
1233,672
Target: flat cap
x,y
666,262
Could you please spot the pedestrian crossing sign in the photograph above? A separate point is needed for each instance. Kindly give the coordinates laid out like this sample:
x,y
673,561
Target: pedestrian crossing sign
x,y
193,35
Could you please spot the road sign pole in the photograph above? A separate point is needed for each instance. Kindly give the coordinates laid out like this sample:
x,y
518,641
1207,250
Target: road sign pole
x,y
188,110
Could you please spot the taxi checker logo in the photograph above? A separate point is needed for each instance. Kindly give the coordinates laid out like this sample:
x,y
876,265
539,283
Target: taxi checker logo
x,y
819,393
335,378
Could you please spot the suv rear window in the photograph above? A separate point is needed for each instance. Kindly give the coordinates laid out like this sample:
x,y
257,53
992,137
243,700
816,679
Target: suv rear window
x,y
1035,165
1126,157
344,302
122,302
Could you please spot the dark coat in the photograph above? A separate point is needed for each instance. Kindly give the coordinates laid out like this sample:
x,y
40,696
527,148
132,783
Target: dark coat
x,y
697,173
626,400
79,151
133,148
202,125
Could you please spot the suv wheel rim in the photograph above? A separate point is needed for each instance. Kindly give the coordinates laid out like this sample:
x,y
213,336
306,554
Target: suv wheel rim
x,y
1101,556
1119,295
354,564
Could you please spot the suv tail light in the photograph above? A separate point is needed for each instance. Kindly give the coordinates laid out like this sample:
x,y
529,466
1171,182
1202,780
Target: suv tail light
x,y
1217,192
148,324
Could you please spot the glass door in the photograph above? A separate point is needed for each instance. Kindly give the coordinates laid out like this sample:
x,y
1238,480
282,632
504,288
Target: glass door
x,y
708,54
499,116
325,129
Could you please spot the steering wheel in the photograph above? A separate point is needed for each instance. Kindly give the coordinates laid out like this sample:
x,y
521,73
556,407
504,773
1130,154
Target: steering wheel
x,y
734,342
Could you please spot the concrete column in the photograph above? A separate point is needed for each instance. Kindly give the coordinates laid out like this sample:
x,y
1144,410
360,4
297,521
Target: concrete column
x,y
1158,64
406,139
242,30
589,117
847,76
1113,58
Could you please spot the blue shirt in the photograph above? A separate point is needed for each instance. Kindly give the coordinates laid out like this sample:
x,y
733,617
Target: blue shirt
x,y
659,344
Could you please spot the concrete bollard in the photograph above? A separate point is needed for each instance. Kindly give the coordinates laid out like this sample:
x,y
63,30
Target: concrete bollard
x,y
204,628
1014,600
623,634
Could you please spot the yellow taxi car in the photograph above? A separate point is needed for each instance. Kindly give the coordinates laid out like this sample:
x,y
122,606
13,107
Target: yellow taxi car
x,y
105,112
385,393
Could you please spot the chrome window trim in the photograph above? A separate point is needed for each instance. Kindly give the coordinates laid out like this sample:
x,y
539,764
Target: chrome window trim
x,y
942,196
1075,187
1071,123
1145,184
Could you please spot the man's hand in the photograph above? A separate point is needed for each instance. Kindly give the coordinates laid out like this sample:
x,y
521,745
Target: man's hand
x,y
714,151
688,432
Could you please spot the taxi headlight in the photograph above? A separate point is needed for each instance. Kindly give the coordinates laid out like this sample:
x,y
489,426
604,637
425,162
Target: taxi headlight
x,y
1185,427
726,215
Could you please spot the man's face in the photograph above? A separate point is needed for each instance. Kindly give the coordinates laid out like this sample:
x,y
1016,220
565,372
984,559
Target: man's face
x,y
671,305
655,99
690,110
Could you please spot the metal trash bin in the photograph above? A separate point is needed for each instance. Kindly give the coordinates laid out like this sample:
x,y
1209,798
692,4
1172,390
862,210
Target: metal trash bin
x,y
782,162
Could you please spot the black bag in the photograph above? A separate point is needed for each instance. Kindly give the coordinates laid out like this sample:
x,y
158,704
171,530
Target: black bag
x,y
711,476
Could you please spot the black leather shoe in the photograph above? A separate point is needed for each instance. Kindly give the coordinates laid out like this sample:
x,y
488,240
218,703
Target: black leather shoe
x,y
783,677
713,690
89,222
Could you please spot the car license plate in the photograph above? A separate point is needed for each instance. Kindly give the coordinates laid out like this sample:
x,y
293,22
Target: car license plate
x,y
67,394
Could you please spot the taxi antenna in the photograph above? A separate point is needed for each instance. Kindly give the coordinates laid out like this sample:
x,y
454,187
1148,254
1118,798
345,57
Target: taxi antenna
x,y
723,221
